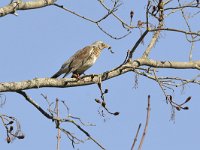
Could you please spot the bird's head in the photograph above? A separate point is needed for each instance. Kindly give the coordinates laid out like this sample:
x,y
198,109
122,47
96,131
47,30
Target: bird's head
x,y
101,45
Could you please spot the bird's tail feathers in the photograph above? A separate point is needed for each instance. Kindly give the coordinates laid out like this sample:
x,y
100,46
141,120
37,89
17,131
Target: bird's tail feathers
x,y
56,75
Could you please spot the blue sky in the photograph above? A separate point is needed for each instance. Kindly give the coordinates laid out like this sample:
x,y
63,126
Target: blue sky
x,y
37,42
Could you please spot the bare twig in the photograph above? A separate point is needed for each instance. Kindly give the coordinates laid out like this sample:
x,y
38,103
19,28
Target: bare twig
x,y
13,128
189,29
146,124
160,84
58,124
124,24
157,33
176,30
2,100
52,112
58,120
74,13
186,5
135,139
87,134
71,137
31,101
102,101
137,43
111,36
98,21
127,57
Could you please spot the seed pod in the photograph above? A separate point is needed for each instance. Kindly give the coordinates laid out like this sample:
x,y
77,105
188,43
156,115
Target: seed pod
x,y
131,14
21,136
178,108
106,91
186,108
97,100
103,103
188,99
11,128
8,139
116,113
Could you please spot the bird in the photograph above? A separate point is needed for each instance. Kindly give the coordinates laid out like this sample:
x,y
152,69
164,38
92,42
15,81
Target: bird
x,y
82,60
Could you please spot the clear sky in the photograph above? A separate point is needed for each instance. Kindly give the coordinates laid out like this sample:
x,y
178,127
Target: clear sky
x,y
37,42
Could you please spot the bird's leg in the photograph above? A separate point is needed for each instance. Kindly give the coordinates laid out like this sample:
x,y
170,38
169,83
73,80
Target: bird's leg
x,y
64,75
76,75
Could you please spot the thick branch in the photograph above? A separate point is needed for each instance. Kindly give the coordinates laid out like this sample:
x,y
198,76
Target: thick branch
x,y
156,34
151,44
19,5
66,82
170,64
93,79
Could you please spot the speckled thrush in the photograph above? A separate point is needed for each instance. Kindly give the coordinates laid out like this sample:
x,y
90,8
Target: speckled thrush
x,y
81,60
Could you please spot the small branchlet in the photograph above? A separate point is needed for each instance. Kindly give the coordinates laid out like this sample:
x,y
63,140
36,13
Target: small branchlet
x,y
13,128
54,109
102,102
131,17
2,100
178,107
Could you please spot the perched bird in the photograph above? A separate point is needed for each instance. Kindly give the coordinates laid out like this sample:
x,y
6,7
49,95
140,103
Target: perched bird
x,y
81,60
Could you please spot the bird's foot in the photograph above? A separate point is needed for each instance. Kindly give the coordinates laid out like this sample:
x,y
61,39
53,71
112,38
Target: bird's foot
x,y
76,75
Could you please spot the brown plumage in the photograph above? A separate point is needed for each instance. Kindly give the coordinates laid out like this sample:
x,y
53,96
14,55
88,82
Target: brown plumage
x,y
81,60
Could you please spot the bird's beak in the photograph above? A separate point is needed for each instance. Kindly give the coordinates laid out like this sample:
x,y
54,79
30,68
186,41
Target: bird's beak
x,y
110,49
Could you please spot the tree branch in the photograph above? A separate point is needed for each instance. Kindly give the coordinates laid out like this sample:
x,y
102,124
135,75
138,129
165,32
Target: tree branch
x,y
177,30
157,33
137,43
19,5
135,139
171,64
56,118
146,124
93,79
35,104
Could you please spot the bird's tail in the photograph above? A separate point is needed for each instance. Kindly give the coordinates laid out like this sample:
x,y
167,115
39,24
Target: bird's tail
x,y
57,74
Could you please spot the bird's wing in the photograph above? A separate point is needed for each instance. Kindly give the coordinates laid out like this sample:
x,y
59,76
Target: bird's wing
x,y
78,59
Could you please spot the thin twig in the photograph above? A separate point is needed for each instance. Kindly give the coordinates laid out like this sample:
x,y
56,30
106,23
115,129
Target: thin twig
x,y
96,22
156,34
58,123
135,139
87,134
159,83
125,25
74,13
146,124
58,119
189,29
34,104
111,36
176,30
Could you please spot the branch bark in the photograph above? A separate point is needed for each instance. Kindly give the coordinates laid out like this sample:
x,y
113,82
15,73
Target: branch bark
x,y
94,79
19,5
146,124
